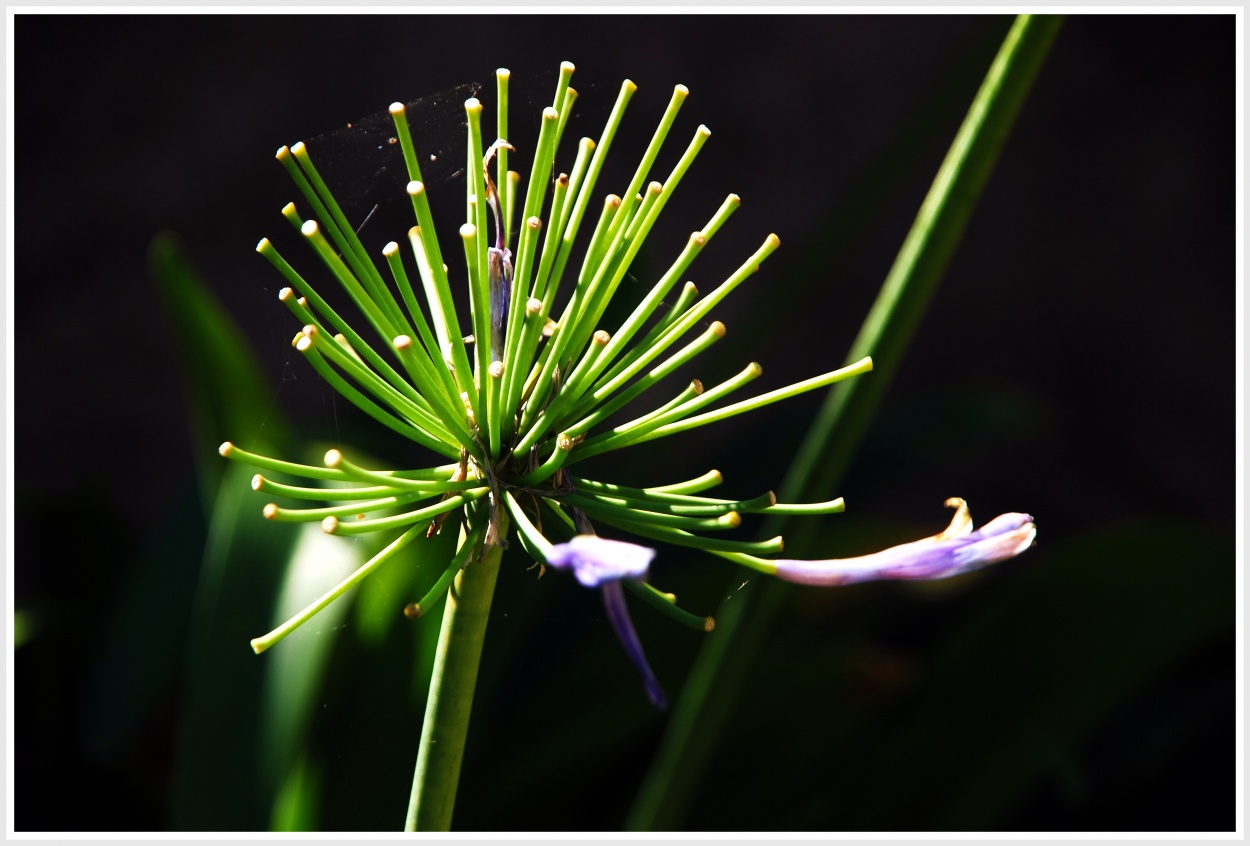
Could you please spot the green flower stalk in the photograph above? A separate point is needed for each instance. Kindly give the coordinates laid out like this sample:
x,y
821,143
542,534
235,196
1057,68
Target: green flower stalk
x,y
512,397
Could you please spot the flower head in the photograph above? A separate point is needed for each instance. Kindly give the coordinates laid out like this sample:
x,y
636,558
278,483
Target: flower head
x,y
510,397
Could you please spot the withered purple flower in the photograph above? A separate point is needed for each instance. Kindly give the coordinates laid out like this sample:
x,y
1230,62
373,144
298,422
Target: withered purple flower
x,y
595,560
602,563
955,550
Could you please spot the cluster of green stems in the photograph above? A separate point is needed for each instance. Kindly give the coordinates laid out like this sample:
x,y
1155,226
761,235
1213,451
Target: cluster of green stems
x,y
531,389
528,391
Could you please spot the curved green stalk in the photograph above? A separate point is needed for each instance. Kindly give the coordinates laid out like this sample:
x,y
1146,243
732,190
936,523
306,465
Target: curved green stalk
x,y
705,702
451,690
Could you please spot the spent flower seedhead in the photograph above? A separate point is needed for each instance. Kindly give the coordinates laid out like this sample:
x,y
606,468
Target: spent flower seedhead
x,y
516,395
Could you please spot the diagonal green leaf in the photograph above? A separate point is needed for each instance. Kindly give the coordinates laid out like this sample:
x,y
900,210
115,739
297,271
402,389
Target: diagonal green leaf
x,y
701,711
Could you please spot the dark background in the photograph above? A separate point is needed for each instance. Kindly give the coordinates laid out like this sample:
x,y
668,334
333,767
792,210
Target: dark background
x,y
1076,363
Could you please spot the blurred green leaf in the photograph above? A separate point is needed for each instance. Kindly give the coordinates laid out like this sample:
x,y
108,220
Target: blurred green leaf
x,y
25,625
295,672
242,760
228,395
296,807
219,783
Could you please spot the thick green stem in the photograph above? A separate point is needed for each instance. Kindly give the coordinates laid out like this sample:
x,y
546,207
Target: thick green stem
x,y
451,691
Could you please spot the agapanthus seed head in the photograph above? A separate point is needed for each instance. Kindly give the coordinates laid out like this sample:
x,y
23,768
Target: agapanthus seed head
x,y
513,395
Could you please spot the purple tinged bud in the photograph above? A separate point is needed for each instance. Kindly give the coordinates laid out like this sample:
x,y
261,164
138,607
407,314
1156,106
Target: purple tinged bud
x,y
595,560
956,550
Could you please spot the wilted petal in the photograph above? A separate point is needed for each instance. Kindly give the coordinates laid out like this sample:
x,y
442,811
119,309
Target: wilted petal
x,y
614,602
499,276
956,550
595,560
599,562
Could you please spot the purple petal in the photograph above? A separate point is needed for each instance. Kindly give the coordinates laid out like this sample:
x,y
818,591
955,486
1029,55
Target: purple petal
x,y
954,551
595,560
614,602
